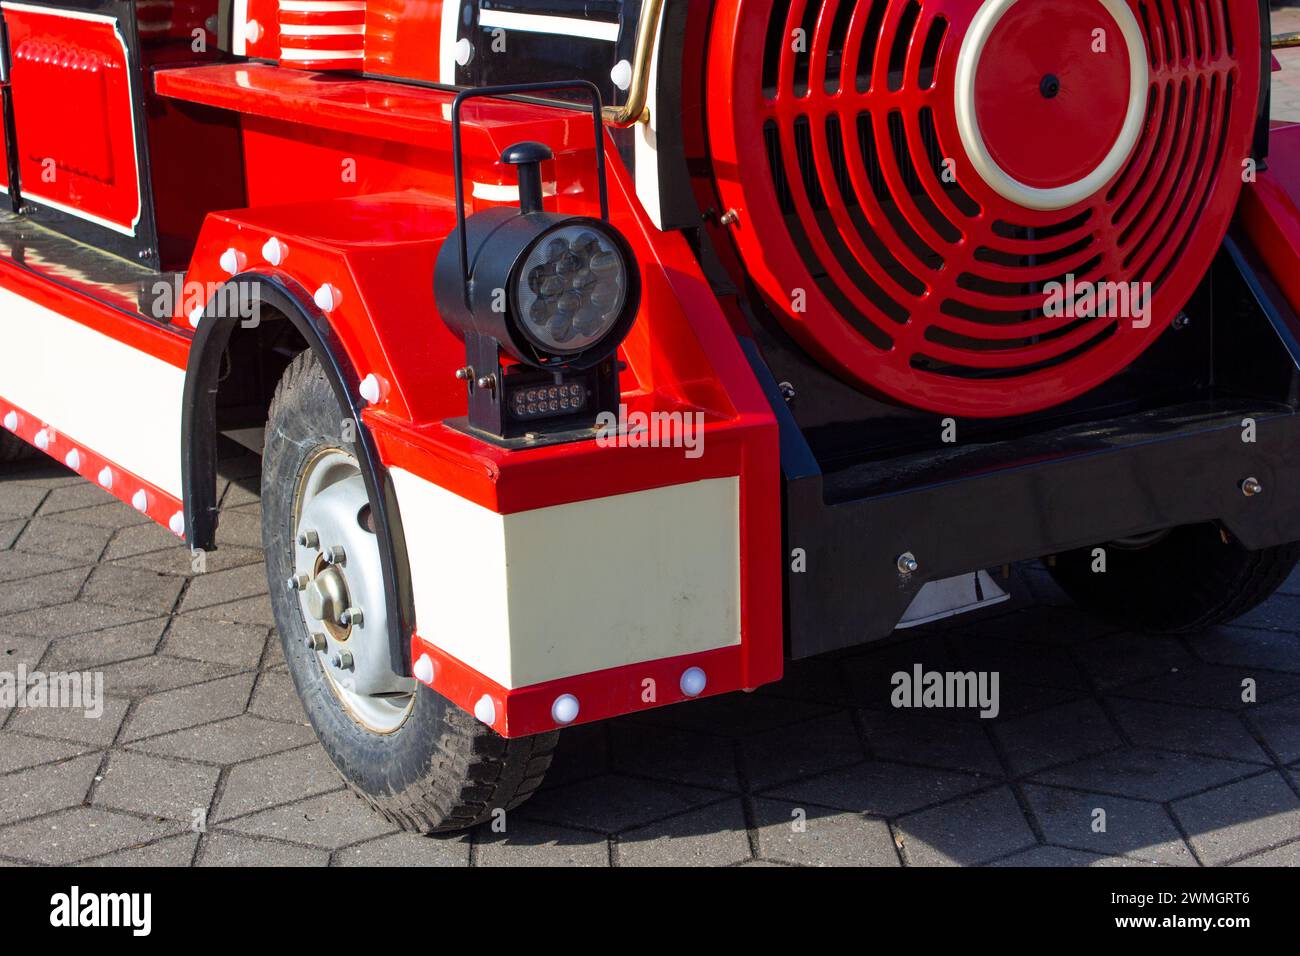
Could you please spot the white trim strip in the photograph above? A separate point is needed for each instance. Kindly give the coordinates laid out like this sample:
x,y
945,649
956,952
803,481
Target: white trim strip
x,y
80,213
447,42
320,6
323,30
239,28
496,192
555,26
292,54
121,403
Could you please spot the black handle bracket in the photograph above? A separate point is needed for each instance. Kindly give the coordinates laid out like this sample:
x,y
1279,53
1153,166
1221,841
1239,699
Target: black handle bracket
x,y
514,90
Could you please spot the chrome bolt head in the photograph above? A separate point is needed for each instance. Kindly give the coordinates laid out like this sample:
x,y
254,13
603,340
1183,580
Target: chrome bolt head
x,y
1251,487
907,563
488,382
315,642
342,661
309,539
352,617
465,374
337,556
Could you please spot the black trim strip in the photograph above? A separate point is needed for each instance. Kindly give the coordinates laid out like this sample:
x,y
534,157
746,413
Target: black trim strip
x,y
199,444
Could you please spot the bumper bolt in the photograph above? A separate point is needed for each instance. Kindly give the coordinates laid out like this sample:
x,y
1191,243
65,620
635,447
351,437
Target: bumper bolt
x,y
315,642
309,539
1251,487
907,563
342,661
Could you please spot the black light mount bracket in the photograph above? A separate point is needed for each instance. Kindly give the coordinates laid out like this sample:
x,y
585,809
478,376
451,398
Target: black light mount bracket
x,y
520,396
517,90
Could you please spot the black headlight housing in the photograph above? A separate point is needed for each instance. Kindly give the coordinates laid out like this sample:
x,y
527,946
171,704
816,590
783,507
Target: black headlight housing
x,y
542,301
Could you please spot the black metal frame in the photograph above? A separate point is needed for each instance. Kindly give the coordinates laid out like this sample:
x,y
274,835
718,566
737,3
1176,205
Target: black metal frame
x,y
1136,457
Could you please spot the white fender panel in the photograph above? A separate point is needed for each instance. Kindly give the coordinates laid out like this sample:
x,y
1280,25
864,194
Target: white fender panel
x,y
542,595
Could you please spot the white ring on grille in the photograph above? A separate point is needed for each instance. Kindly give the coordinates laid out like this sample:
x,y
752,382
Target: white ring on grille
x,y
1007,186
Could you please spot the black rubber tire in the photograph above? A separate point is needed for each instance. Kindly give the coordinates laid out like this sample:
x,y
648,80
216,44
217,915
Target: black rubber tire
x,y
1193,578
442,770
14,449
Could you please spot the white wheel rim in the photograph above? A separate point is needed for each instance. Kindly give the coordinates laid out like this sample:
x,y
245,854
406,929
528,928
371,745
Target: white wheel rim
x,y
330,499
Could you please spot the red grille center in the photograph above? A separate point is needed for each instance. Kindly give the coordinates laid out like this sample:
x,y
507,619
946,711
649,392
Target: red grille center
x,y
1040,85
895,262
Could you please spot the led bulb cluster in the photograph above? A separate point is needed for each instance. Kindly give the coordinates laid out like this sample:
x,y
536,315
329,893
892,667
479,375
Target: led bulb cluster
x,y
544,401
572,289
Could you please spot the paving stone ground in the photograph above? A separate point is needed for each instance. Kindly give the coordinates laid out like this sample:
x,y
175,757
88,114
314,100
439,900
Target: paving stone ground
x,y
1150,735
1286,83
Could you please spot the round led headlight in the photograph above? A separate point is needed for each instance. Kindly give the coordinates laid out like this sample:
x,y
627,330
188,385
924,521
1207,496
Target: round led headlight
x,y
571,290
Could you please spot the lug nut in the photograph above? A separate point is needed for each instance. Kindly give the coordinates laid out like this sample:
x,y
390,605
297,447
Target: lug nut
x,y
352,617
342,661
315,642
337,556
907,563
298,582
309,539
1251,487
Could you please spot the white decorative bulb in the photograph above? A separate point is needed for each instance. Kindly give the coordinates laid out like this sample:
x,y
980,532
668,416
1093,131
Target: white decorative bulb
x,y
622,75
565,709
424,669
694,681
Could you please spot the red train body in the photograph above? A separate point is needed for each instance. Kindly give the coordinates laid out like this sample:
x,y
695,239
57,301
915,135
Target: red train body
x,y
773,371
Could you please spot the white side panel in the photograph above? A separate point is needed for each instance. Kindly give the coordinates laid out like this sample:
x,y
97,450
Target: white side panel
x,y
646,147
121,403
447,43
458,571
552,593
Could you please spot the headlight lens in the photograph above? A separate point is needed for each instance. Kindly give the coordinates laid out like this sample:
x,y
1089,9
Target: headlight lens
x,y
572,289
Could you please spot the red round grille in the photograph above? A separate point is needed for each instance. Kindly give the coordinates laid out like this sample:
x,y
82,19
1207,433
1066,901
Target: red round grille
x,y
913,181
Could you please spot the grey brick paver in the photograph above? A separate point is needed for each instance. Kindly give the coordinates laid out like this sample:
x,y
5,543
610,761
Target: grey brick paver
x,y
201,712
1242,818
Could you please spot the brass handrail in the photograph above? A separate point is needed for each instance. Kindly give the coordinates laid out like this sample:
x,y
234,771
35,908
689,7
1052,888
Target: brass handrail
x,y
1284,41
635,110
